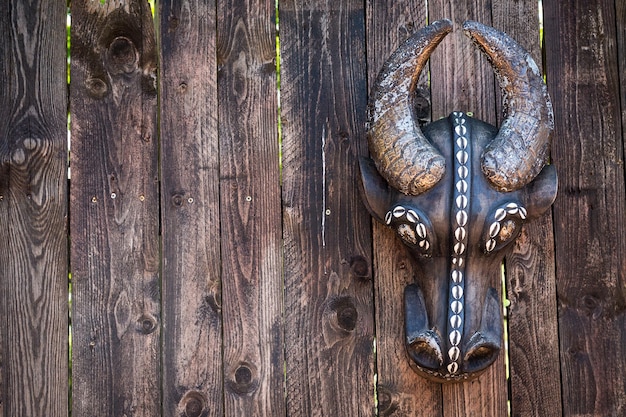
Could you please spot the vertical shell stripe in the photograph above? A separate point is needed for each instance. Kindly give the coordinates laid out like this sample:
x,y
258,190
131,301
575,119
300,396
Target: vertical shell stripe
x,y
460,210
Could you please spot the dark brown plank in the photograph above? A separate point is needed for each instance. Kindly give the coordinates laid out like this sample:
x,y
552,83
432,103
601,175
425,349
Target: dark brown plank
x,y
401,392
115,208
461,80
33,210
250,209
530,271
191,281
328,289
589,213
620,15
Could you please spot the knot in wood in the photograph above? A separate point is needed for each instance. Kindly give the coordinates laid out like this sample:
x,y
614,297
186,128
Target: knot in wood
x,y
122,56
592,306
345,312
96,87
244,379
385,401
177,200
359,267
194,404
146,324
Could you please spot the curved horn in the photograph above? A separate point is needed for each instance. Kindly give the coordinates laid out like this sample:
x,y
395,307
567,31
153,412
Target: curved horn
x,y
403,155
521,148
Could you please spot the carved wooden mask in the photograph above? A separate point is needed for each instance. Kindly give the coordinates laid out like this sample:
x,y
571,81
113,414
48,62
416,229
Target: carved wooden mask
x,y
457,193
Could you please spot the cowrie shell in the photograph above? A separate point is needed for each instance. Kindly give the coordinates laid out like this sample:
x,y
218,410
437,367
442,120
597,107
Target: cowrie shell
x,y
457,292
412,216
500,214
399,211
461,202
494,229
461,186
454,353
421,230
461,218
522,213
456,307
455,337
453,367
460,129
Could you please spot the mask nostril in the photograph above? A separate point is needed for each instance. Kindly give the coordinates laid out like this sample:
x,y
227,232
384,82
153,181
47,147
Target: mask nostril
x,y
480,354
425,350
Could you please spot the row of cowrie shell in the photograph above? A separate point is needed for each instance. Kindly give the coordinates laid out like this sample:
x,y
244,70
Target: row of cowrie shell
x,y
460,235
499,216
413,218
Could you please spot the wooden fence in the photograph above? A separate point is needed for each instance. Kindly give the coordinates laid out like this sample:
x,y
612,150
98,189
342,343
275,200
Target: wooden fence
x,y
209,278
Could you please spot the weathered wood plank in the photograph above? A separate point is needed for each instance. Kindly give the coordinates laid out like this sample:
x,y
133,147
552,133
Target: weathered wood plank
x,y
33,210
115,209
530,271
461,80
191,275
401,392
328,289
250,209
589,213
620,15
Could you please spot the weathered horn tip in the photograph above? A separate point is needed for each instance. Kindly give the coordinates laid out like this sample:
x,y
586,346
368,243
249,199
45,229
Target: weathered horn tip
x,y
442,24
470,26
483,35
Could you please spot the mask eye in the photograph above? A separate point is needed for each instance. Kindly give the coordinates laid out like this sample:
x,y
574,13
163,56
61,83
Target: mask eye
x,y
503,226
412,227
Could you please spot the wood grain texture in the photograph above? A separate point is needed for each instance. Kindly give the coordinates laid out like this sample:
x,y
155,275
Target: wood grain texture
x,y
191,274
530,271
400,390
461,80
328,289
589,212
33,210
250,209
620,15
115,209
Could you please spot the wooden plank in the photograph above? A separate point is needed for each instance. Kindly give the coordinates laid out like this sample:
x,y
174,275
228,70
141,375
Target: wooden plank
x,y
620,15
589,212
191,277
400,391
250,209
328,288
33,210
115,209
461,80
530,271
